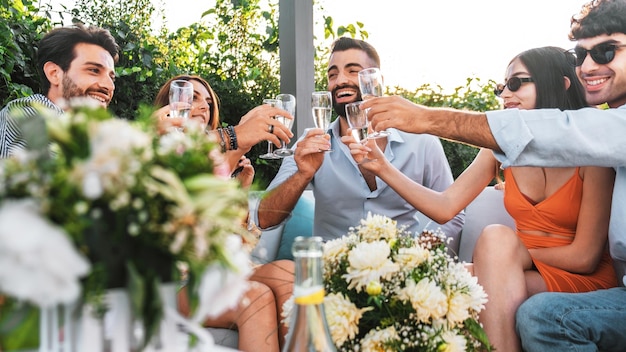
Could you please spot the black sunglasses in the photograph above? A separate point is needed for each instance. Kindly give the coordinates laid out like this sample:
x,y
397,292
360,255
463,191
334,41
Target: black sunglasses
x,y
514,83
602,53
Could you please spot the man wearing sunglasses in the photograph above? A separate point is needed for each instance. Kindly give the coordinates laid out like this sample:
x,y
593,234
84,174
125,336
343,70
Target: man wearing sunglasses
x,y
589,321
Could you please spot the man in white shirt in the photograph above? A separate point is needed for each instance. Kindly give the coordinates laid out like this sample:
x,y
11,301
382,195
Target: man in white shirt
x,y
72,62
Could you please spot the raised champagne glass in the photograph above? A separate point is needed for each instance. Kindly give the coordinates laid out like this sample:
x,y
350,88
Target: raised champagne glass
x,y
289,105
270,147
371,85
322,107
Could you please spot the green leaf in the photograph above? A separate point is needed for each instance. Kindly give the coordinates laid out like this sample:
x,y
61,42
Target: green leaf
x,y
478,332
136,289
19,326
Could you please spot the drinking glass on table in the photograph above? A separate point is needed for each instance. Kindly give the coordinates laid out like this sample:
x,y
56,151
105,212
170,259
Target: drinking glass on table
x,y
322,106
270,147
371,85
289,105
181,98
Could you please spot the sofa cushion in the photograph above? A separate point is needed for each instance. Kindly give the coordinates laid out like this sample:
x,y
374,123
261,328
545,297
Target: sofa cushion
x,y
486,209
300,224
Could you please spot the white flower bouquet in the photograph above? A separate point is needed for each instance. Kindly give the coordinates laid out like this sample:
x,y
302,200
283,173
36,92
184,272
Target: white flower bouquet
x,y
97,202
388,290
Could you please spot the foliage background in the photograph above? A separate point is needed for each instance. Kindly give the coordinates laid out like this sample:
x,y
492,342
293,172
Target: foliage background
x,y
234,47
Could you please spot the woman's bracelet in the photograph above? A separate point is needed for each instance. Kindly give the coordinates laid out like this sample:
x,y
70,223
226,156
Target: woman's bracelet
x,y
220,131
232,136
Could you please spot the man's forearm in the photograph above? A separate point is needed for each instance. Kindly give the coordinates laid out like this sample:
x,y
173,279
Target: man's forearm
x,y
462,126
278,203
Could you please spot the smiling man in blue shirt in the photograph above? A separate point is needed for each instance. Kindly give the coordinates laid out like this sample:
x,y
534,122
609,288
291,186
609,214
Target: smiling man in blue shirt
x,y
344,192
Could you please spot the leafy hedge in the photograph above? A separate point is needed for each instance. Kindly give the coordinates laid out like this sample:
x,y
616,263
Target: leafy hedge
x,y
235,48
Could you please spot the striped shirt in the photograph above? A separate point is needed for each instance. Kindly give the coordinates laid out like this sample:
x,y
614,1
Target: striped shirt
x,y
10,134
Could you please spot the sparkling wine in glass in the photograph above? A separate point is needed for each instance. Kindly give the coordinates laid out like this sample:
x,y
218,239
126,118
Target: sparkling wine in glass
x,y
357,120
289,104
371,85
270,147
181,98
321,106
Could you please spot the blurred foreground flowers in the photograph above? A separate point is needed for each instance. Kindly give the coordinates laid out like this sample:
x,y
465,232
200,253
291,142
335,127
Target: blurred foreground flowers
x,y
97,202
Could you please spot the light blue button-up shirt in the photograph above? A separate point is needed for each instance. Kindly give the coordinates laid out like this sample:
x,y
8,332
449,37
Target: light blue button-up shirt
x,y
552,138
342,197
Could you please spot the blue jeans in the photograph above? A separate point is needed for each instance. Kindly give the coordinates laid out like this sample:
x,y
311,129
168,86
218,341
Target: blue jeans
x,y
574,322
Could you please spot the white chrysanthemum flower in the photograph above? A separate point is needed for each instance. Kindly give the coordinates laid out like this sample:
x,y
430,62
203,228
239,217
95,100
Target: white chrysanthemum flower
x,y
453,342
375,340
477,294
426,298
463,279
411,257
458,307
377,227
369,262
38,263
221,288
343,317
333,249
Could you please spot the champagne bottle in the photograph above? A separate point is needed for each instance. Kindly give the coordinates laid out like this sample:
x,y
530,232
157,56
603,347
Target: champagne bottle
x,y
308,329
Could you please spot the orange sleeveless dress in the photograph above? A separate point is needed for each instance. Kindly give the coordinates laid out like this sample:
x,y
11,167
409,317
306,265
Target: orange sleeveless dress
x,y
557,214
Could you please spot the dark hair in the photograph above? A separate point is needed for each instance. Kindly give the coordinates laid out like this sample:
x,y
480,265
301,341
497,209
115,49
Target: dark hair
x,y
599,17
547,66
59,45
163,97
346,43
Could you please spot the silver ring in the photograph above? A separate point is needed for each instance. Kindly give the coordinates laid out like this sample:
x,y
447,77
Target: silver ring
x,y
271,128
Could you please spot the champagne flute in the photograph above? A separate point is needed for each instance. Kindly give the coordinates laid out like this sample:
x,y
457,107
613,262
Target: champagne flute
x,y
321,106
181,98
371,85
270,147
357,120
289,104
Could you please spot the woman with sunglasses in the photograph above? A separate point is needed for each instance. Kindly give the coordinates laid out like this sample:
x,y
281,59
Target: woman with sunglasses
x,y
258,315
561,214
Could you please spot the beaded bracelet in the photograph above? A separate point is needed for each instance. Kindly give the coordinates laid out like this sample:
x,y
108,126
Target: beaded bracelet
x,y
222,142
233,137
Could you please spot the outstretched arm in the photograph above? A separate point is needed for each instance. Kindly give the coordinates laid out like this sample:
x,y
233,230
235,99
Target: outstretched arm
x,y
462,126
441,206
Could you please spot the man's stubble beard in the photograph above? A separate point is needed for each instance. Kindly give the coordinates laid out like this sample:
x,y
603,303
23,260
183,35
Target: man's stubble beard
x,y
70,89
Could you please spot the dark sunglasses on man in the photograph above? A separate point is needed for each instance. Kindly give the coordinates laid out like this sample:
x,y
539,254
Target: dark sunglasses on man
x,y
602,53
513,84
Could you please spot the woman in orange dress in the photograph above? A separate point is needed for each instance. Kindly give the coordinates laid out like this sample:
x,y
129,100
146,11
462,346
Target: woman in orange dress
x,y
561,214
558,216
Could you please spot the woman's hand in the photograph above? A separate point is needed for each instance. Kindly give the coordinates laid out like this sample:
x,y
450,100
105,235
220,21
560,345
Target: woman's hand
x,y
254,127
244,172
164,123
368,155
